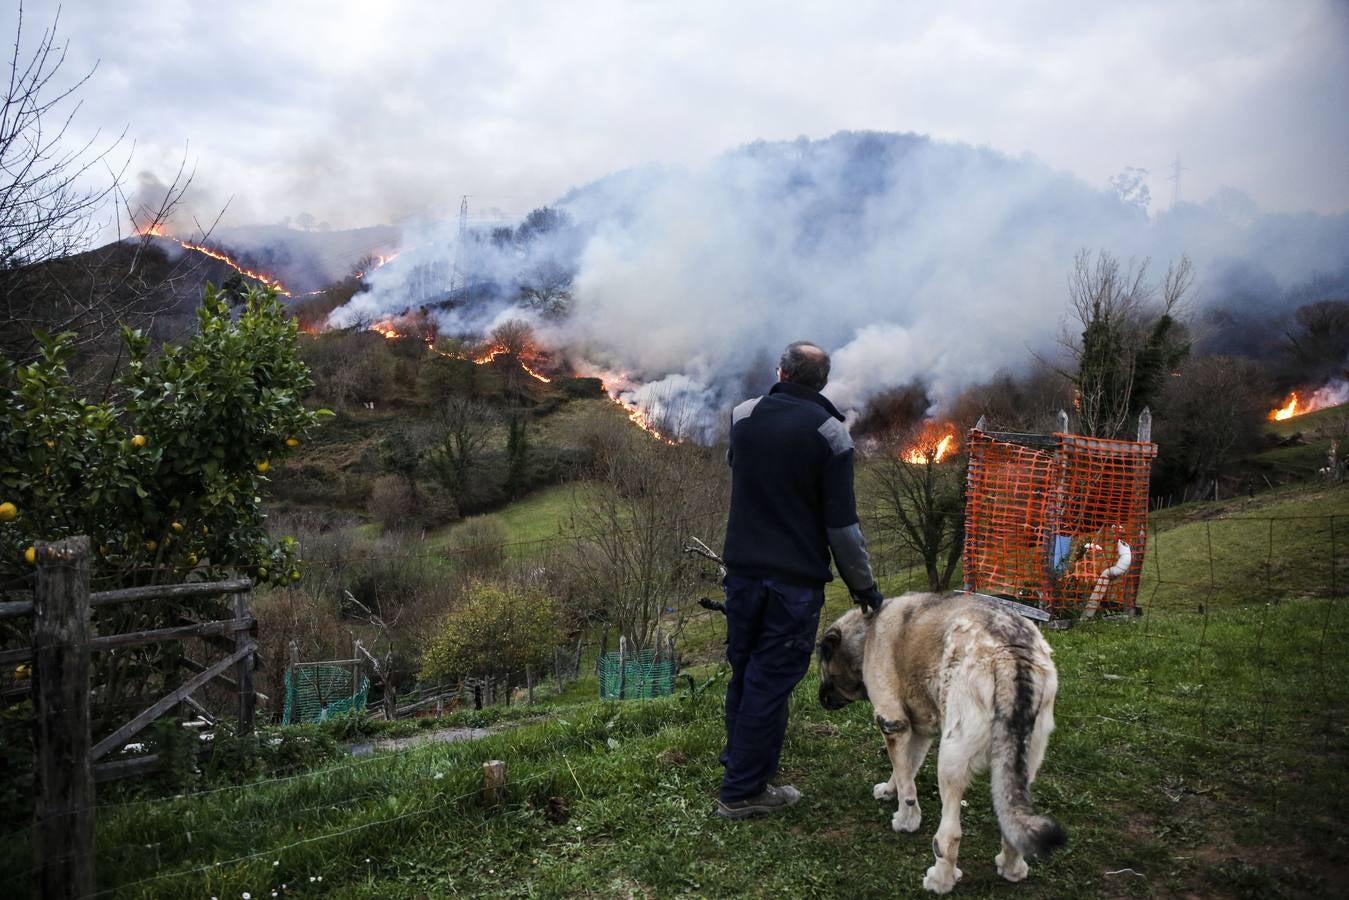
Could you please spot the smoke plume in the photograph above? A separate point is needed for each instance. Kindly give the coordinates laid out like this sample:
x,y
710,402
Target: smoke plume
x,y
910,260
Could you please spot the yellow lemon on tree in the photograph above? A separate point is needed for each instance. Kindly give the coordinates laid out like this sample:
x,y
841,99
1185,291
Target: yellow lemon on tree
x,y
8,512
205,530
177,527
152,545
138,440
22,672
294,576
192,559
262,467
292,442
262,571
30,556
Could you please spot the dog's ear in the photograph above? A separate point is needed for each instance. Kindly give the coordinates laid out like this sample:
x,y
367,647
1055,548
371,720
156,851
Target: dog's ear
x,y
829,643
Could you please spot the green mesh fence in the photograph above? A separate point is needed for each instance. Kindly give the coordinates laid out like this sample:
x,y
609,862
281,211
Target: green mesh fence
x,y
642,675
316,693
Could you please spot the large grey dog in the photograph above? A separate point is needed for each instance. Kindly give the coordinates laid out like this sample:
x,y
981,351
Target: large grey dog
x,y
976,674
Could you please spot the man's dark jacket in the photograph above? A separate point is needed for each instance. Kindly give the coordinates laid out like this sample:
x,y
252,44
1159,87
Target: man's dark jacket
x,y
792,497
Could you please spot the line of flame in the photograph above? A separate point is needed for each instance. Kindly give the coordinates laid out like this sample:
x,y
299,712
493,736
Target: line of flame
x,y
631,410
637,417
500,351
156,231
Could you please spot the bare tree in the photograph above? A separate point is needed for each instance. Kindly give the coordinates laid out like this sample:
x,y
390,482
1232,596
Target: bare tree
x,y
644,498
921,504
50,201
1126,343
546,287
46,207
514,338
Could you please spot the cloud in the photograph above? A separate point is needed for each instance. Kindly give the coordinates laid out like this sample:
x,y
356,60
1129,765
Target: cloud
x,y
359,112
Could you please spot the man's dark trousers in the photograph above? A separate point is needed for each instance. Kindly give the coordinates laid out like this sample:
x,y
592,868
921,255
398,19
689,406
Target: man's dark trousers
x,y
770,636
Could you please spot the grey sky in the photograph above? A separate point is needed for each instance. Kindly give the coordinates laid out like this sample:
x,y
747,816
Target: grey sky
x,y
364,112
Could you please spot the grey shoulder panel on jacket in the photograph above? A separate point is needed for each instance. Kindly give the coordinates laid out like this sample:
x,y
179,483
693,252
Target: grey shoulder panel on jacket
x,y
836,435
744,409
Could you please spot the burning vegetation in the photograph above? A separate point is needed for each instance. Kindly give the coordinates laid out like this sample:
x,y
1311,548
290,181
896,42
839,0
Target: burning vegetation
x,y
1333,393
513,343
219,256
935,442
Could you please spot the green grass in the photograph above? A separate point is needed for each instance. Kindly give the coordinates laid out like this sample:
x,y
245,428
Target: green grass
x,y
540,516
1285,543
1206,751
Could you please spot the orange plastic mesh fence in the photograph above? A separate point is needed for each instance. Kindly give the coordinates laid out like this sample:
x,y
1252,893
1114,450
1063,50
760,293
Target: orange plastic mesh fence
x,y
1043,523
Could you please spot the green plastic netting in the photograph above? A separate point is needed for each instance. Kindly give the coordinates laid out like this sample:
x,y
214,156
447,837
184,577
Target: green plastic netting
x,y
642,676
316,693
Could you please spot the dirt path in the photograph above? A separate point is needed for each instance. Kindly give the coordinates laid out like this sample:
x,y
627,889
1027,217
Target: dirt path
x,y
442,736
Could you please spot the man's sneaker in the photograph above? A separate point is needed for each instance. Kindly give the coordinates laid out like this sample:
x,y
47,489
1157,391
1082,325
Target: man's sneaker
x,y
771,800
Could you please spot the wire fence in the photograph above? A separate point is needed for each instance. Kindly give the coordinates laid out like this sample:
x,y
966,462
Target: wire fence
x,y
1238,656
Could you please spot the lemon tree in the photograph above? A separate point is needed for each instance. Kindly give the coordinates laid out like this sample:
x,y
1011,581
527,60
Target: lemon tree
x,y
168,474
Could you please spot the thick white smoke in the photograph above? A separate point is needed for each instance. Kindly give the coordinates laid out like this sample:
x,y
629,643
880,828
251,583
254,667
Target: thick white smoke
x,y
905,258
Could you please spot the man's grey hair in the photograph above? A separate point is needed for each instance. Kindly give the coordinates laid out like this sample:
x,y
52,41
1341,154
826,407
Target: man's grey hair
x,y
805,364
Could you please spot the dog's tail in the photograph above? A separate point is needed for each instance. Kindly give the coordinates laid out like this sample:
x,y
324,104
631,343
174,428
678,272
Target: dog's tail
x,y
1023,719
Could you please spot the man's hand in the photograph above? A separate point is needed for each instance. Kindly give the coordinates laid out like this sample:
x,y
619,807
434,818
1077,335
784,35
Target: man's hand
x,y
869,599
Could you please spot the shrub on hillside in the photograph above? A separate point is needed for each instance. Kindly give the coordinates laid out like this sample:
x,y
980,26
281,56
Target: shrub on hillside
x,y
391,501
580,387
478,544
497,630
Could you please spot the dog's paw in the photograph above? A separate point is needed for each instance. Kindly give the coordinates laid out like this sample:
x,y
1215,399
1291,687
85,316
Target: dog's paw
x,y
941,878
1015,872
906,819
884,791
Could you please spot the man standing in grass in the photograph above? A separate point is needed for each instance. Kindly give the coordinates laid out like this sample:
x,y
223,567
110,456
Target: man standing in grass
x,y
792,505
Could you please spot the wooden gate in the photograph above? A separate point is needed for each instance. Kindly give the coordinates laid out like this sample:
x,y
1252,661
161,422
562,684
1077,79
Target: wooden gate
x,y
66,760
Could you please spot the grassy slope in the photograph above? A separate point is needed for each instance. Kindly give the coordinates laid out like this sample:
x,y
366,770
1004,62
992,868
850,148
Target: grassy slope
x,y
1285,543
1206,752
540,516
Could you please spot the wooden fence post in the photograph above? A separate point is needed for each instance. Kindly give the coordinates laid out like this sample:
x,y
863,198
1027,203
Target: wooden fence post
x,y
493,782
63,833
243,670
622,667
356,668
529,685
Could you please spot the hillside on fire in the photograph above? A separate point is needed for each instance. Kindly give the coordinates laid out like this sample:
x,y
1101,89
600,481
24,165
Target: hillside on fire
x,y
674,450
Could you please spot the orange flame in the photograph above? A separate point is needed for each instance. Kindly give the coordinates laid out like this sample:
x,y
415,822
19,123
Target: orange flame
x,y
493,353
1287,411
930,448
157,231
386,329
637,417
380,262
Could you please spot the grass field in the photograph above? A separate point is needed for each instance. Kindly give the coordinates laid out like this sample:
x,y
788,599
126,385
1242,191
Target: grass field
x,y
1201,751
542,515
1205,752
1292,542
